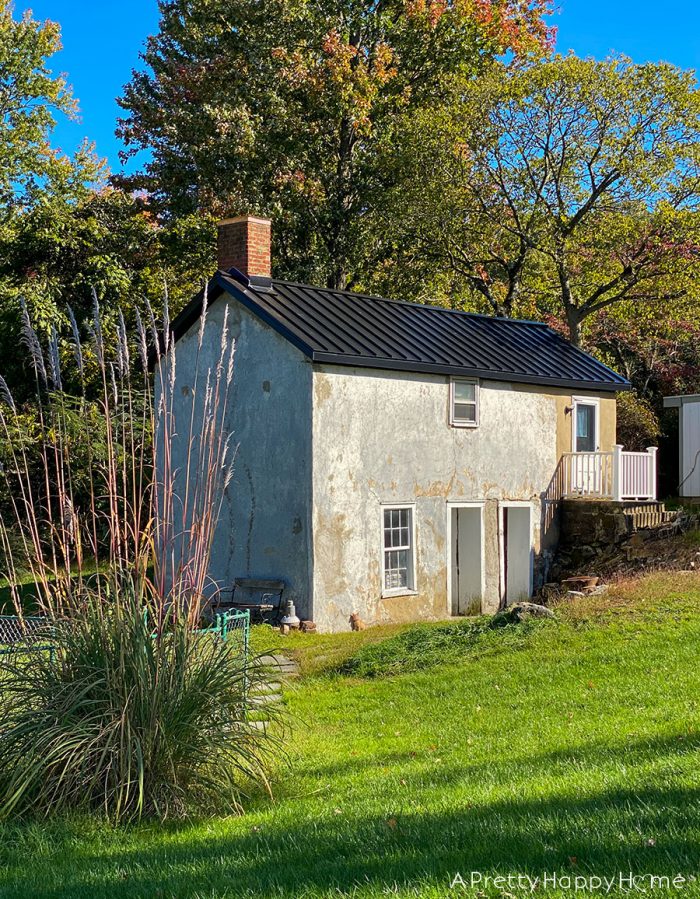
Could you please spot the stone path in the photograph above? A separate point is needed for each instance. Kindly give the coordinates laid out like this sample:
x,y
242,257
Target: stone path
x,y
287,667
265,694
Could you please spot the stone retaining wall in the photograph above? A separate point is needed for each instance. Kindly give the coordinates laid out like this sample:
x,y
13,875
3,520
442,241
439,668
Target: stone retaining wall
x,y
593,522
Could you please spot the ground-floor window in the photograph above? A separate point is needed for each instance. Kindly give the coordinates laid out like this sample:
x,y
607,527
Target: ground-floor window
x,y
398,556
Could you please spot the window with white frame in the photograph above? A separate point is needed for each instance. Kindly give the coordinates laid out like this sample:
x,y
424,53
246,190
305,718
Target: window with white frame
x,y
464,402
398,554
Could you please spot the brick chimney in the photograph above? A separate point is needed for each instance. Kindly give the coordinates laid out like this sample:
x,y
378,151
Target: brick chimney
x,y
244,243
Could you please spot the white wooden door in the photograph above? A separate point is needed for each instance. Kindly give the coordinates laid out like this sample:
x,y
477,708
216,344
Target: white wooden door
x,y
585,473
466,559
516,552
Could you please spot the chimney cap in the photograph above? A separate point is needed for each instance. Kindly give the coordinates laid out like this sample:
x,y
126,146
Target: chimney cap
x,y
256,219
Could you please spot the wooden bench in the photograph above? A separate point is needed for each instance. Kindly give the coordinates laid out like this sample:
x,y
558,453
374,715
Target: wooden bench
x,y
261,596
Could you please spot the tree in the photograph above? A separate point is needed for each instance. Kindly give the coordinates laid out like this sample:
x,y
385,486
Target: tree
x,y
30,96
658,354
283,108
637,423
64,232
572,182
102,242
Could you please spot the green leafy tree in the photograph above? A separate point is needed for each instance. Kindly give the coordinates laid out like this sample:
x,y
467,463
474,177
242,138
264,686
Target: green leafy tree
x,y
37,183
65,233
283,108
100,242
637,423
30,98
570,185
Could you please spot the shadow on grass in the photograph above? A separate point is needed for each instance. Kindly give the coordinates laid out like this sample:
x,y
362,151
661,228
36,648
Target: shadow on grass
x,y
583,756
26,594
29,593
653,829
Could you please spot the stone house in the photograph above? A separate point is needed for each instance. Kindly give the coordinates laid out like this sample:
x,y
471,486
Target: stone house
x,y
396,460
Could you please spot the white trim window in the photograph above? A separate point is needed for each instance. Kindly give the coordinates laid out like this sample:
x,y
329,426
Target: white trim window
x,y
464,402
398,550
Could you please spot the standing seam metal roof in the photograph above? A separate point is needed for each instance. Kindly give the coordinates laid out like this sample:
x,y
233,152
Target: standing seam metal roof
x,y
344,328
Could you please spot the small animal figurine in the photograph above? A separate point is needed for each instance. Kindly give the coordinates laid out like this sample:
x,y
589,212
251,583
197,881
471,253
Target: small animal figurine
x,y
356,623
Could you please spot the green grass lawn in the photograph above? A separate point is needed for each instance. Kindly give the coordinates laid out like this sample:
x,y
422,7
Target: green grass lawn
x,y
568,746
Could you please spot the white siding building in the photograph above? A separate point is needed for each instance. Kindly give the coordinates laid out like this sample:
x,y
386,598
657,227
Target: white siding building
x,y
688,442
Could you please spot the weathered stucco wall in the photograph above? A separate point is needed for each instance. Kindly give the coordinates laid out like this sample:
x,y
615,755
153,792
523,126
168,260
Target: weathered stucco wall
x,y
264,529
385,437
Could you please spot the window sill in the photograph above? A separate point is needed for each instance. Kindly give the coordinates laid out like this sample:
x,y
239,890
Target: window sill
x,y
464,424
403,591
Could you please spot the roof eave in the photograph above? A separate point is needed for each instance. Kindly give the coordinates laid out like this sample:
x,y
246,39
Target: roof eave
x,y
184,320
484,374
218,284
675,402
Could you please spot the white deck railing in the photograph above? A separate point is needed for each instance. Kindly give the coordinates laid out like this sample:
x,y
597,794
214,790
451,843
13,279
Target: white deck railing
x,y
616,475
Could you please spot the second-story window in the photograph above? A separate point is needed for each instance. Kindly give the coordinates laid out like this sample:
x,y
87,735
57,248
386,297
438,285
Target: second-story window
x,y
464,402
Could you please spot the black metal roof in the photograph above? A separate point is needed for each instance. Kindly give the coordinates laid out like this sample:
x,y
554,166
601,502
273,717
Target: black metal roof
x,y
344,328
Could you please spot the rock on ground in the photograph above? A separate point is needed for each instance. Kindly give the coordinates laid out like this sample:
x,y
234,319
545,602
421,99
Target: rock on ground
x,y
521,611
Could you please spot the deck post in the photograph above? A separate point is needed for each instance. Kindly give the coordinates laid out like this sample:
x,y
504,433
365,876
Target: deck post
x,y
617,473
652,450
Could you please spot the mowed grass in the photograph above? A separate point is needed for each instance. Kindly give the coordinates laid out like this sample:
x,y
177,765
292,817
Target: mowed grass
x,y
570,746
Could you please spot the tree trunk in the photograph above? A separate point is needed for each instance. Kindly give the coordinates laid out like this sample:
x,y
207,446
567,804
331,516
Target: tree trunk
x,y
337,278
341,208
573,321
571,310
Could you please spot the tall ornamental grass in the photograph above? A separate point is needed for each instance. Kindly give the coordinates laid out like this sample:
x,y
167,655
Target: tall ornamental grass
x,y
135,711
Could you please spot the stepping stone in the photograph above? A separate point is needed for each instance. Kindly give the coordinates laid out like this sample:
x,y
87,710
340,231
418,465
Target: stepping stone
x,y
265,699
287,667
272,687
264,694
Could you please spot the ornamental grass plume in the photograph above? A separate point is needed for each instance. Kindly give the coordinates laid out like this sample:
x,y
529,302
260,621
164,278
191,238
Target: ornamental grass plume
x,y
135,711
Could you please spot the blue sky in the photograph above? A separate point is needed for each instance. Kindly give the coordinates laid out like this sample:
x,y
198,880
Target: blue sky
x,y
102,39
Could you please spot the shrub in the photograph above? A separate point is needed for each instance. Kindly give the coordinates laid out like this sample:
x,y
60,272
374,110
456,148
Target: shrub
x,y
637,423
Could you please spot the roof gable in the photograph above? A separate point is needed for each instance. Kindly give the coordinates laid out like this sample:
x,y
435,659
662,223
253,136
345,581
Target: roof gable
x,y
344,328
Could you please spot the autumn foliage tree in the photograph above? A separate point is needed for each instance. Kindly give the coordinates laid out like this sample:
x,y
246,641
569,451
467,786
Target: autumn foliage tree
x,y
568,186
660,355
284,107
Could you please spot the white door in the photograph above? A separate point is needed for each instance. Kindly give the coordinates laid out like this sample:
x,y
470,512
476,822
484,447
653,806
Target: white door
x,y
585,474
466,559
516,552
690,453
